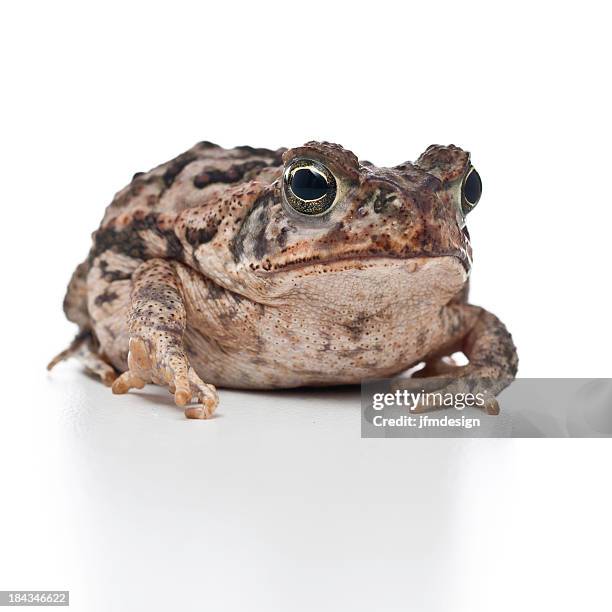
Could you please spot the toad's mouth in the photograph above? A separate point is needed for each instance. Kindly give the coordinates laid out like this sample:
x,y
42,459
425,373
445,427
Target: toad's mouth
x,y
359,260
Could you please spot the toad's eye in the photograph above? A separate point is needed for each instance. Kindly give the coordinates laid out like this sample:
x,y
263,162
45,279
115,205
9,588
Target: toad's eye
x,y
471,190
309,187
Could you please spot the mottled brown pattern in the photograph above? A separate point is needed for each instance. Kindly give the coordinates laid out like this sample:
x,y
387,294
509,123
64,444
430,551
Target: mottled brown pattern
x,y
446,163
75,301
335,156
201,274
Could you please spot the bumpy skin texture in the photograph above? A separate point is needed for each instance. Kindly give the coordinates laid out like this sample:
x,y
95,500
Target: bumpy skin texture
x,y
201,274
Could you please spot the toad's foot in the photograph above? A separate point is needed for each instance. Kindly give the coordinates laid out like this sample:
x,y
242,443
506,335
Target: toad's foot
x,y
492,366
84,349
176,373
157,323
467,389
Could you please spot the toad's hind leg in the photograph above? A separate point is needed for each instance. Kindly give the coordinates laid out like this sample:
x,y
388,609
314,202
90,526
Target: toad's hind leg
x,y
157,321
486,343
84,348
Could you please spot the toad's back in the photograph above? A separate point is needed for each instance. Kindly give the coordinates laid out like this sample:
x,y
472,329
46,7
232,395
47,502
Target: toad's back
x,y
203,171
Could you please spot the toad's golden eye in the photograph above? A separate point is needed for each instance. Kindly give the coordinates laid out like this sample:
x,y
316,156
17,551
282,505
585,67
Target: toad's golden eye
x,y
471,190
309,187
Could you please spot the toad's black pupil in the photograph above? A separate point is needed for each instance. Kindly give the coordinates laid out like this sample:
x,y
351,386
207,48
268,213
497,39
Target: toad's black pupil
x,y
308,185
472,189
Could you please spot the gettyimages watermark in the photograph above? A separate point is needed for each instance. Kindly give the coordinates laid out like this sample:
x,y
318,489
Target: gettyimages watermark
x,y
413,401
533,407
409,403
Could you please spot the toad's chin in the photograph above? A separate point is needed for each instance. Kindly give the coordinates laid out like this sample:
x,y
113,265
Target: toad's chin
x,y
372,283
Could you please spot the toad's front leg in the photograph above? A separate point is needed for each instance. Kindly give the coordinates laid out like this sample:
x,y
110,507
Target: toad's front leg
x,y
156,324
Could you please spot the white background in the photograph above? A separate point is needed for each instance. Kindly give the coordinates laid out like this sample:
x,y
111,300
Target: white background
x,y
278,504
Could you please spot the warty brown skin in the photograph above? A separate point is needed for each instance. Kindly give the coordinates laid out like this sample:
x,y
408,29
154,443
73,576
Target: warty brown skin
x,y
201,274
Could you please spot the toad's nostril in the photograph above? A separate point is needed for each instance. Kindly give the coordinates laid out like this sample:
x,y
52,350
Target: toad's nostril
x,y
384,200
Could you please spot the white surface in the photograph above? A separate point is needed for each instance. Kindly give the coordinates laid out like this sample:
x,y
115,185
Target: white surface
x,y
278,504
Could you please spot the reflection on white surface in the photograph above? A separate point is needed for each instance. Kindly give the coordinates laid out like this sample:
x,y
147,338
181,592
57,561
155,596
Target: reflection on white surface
x,y
278,504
